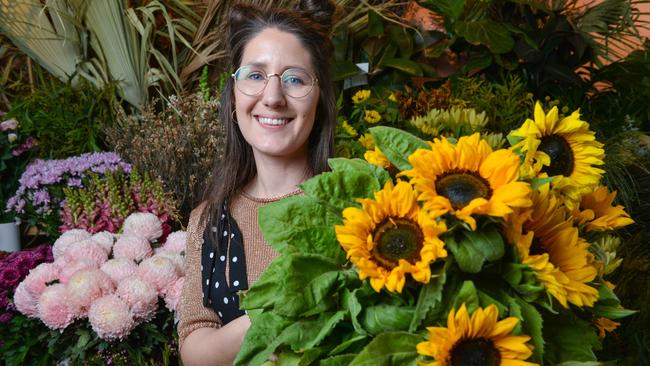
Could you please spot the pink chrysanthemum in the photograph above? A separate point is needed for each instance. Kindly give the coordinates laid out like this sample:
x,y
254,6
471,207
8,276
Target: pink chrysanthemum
x,y
141,297
87,250
53,307
172,294
39,277
177,259
105,239
158,271
25,301
119,268
87,285
70,268
143,224
176,243
110,318
132,247
70,236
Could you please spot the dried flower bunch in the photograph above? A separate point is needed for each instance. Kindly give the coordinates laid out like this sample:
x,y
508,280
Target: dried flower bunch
x,y
178,142
104,202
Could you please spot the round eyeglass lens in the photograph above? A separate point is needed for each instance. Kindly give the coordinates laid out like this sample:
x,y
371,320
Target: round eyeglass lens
x,y
252,80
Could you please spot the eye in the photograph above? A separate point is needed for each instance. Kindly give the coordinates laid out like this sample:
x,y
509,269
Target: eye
x,y
296,77
255,76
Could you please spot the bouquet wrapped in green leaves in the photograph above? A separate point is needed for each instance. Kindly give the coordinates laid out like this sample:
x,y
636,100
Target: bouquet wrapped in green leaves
x,y
461,255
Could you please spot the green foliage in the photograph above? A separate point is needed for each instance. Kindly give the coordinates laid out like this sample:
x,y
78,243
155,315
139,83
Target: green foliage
x,y
507,103
65,120
28,341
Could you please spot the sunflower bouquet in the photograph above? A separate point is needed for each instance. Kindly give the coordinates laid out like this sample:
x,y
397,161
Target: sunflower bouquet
x,y
455,254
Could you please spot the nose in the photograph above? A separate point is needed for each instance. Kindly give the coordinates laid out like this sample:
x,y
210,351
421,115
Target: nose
x,y
273,95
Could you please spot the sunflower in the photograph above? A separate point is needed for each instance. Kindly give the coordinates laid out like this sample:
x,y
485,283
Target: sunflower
x,y
361,96
377,157
391,236
598,213
548,243
479,340
561,148
372,116
349,129
467,179
367,141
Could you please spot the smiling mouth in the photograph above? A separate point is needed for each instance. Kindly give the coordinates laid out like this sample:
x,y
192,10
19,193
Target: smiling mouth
x,y
269,121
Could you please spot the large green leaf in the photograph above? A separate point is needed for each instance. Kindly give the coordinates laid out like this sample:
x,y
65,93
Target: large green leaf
x,y
451,8
301,224
397,145
402,64
340,360
473,248
383,318
306,284
265,290
375,24
351,303
531,324
344,69
359,165
261,339
569,338
486,32
341,189
468,296
430,296
389,349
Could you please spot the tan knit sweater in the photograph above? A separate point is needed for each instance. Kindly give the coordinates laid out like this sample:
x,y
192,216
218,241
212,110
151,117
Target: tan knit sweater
x,y
243,208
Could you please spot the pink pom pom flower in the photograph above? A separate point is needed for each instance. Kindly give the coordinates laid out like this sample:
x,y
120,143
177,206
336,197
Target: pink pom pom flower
x,y
105,239
70,236
25,301
39,277
87,250
70,268
132,247
176,243
141,297
143,224
158,271
172,294
119,268
177,259
110,318
87,285
53,307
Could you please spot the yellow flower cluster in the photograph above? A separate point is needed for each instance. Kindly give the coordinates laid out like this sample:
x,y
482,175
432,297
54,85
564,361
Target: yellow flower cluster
x,y
372,116
361,96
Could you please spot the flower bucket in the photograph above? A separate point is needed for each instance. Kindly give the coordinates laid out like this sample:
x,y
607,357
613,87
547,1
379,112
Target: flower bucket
x,y
9,237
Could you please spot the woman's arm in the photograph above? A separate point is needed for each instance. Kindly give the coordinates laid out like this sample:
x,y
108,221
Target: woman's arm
x,y
215,346
202,339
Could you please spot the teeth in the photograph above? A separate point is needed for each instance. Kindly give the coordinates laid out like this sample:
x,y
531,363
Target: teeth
x,y
273,121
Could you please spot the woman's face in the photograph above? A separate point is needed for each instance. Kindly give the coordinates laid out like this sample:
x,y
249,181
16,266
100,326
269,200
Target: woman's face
x,y
274,124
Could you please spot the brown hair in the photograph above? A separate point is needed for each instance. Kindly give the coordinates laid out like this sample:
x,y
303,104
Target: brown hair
x,y
310,22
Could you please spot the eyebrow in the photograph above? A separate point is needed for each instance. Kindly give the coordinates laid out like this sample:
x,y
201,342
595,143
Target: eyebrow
x,y
264,65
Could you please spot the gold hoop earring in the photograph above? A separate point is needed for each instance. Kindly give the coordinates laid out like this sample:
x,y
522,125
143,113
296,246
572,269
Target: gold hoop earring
x,y
234,119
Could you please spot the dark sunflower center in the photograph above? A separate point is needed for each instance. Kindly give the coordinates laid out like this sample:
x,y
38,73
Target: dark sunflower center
x,y
461,187
475,352
536,247
559,150
395,239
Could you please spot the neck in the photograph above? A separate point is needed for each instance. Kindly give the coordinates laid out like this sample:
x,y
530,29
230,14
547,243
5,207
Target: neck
x,y
277,177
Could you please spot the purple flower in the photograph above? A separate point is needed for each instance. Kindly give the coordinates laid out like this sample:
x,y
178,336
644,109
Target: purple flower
x,y
4,299
24,147
9,278
6,318
25,263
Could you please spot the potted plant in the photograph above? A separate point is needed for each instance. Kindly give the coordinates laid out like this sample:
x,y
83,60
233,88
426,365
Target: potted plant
x,y
12,163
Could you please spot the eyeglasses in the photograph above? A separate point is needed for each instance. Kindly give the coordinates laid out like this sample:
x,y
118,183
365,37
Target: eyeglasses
x,y
296,82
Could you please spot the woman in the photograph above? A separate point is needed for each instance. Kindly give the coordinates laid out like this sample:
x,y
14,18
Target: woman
x,y
279,114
